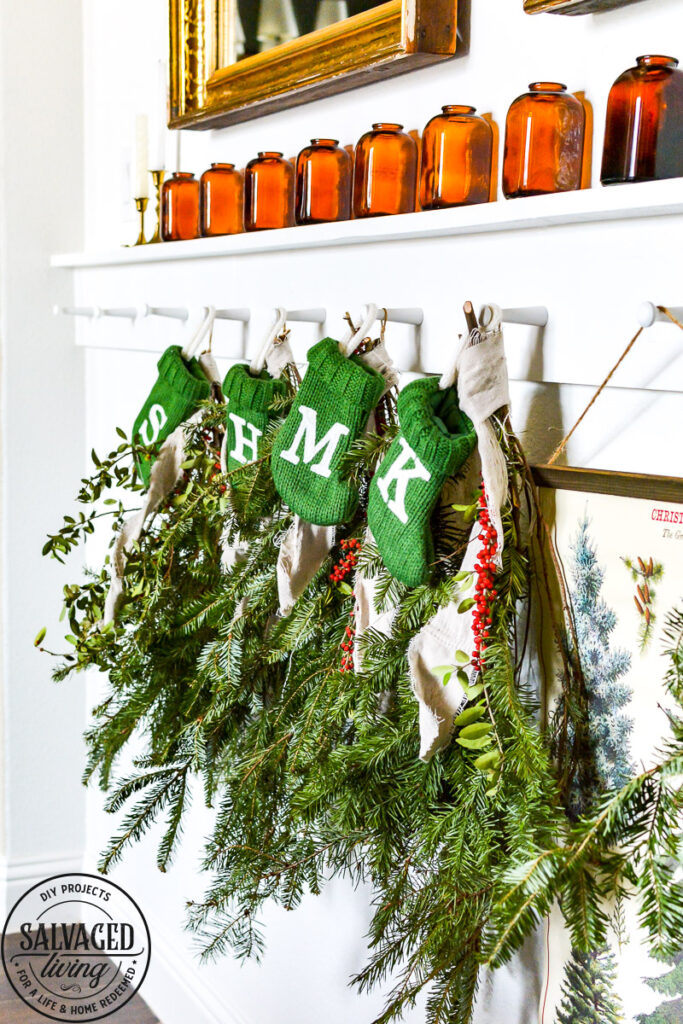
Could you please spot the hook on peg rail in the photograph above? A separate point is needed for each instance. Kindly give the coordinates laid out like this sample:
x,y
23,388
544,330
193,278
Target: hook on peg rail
x,y
532,316
649,314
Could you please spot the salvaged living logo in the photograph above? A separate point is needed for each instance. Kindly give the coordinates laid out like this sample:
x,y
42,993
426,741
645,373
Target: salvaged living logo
x,y
76,947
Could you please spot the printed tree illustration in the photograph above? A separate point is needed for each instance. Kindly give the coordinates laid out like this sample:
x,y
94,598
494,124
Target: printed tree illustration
x,y
609,728
588,996
670,1011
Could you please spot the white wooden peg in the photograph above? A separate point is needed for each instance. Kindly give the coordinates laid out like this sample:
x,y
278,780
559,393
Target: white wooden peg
x,y
648,314
532,316
90,311
173,312
125,312
408,315
307,316
242,314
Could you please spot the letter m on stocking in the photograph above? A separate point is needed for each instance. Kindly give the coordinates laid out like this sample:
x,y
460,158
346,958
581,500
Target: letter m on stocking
x,y
311,446
405,467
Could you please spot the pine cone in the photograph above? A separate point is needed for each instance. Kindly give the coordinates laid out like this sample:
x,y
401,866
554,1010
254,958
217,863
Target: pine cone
x,y
638,604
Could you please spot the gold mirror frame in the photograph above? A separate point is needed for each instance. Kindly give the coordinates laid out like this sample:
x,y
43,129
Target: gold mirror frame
x,y
208,92
573,6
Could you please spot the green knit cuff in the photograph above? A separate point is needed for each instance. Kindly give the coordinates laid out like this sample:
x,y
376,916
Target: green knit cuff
x,y
185,377
346,376
434,424
249,392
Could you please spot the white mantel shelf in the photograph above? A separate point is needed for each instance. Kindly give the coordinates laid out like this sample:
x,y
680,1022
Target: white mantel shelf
x,y
618,202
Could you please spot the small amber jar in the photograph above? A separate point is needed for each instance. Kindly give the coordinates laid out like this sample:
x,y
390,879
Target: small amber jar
x,y
644,128
457,147
323,183
180,207
221,200
268,192
544,136
385,173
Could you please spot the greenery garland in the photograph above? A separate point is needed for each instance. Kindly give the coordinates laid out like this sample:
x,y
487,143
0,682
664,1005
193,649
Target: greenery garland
x,y
312,769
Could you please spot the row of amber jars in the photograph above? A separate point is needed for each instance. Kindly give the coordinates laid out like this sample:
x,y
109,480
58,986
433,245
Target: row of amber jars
x,y
328,185
544,152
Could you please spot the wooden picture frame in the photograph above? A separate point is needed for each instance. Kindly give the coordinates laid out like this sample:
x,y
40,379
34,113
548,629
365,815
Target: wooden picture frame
x,y
574,6
206,91
602,481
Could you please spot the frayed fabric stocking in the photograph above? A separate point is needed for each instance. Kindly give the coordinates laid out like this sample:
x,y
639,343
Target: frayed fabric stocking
x,y
164,476
436,644
365,613
303,550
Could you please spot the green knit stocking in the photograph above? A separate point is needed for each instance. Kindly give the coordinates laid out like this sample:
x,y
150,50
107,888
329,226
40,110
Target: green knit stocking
x,y
434,441
249,400
330,412
179,389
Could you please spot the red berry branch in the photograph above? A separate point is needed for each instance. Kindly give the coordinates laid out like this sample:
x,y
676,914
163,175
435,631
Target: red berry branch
x,y
350,551
485,569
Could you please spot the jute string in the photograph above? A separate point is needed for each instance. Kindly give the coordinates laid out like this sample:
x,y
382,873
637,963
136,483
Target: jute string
x,y
563,443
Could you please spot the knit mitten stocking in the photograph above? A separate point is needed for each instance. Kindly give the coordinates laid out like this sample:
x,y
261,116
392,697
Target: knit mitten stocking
x,y
434,441
249,400
176,395
330,412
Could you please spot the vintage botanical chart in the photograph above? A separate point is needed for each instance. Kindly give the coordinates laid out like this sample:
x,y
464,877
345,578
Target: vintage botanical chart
x,y
623,560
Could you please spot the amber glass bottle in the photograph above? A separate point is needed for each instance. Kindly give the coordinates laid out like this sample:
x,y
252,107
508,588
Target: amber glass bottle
x,y
323,183
268,192
221,195
644,128
180,207
385,173
457,146
544,135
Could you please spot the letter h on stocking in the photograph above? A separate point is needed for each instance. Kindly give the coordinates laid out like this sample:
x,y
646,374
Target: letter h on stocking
x,y
242,441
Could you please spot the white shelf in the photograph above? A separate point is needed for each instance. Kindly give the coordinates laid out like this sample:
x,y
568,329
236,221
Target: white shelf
x,y
618,202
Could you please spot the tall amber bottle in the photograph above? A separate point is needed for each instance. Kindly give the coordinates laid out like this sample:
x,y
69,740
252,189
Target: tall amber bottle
x,y
221,200
544,136
385,172
457,147
268,192
644,128
323,183
180,207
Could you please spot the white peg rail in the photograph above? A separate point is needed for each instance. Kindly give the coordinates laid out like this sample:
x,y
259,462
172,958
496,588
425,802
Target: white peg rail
x,y
532,316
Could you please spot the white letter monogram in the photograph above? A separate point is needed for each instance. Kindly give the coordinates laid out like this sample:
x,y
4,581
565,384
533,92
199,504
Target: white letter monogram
x,y
241,441
401,474
327,444
153,424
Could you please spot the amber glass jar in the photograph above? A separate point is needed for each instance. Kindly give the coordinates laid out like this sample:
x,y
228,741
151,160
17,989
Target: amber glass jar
x,y
323,183
268,192
180,207
644,129
221,200
385,173
544,135
457,146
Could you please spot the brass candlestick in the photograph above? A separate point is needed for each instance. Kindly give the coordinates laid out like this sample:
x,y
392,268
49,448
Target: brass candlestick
x,y
141,206
158,179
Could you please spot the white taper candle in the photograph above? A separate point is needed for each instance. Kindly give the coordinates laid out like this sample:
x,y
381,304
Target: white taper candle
x,y
141,184
157,153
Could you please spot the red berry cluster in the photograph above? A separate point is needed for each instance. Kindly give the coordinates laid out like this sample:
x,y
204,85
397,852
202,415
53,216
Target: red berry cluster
x,y
347,646
485,569
350,549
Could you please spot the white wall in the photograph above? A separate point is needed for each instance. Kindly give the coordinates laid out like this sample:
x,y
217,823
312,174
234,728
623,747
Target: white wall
x,y
591,277
41,422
